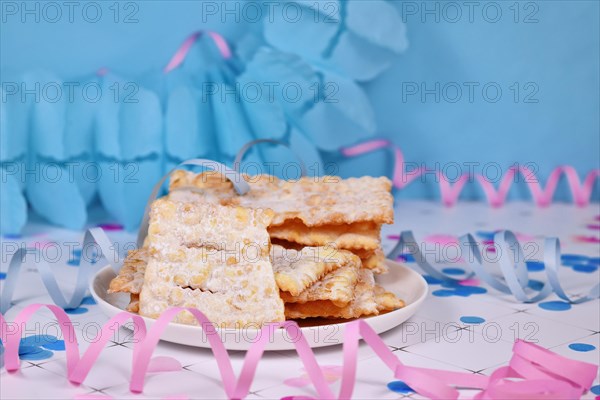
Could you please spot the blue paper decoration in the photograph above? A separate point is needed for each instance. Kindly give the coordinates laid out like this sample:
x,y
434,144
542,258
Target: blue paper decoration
x,y
110,137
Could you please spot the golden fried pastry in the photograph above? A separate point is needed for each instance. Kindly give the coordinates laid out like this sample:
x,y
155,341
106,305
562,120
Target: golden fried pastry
x,y
337,287
315,201
296,270
212,258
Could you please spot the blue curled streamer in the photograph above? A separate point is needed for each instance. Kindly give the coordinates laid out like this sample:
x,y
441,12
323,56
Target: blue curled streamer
x,y
515,274
93,236
516,277
97,236
240,185
240,155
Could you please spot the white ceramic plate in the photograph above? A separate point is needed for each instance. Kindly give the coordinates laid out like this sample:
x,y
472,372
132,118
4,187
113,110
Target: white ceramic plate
x,y
402,281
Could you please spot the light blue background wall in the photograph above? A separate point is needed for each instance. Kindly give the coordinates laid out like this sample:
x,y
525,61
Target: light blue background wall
x,y
559,54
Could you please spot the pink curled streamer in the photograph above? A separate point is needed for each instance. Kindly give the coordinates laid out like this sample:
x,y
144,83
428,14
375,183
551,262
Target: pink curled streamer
x,y
187,44
539,372
450,192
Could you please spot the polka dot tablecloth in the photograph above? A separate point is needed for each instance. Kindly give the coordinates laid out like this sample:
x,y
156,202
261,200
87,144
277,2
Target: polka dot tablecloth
x,y
460,327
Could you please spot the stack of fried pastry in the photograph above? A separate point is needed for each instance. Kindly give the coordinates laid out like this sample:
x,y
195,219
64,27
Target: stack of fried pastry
x,y
311,211
320,238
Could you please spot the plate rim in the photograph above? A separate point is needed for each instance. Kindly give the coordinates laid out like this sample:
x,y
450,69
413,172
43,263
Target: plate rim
x,y
305,330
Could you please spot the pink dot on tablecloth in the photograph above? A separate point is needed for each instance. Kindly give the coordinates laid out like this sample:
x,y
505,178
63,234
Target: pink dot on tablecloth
x,y
470,282
441,239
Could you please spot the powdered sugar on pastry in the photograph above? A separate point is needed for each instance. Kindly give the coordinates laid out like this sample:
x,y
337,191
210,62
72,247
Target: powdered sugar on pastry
x,y
364,303
337,287
313,200
212,258
295,270
131,276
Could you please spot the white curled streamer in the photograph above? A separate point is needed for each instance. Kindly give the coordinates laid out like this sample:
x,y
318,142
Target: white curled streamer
x,y
515,277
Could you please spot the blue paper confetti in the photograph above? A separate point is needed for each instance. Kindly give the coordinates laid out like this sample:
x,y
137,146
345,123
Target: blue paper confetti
x,y
585,268
38,347
399,387
74,262
555,305
37,355
431,280
37,340
535,284
406,258
534,266
485,235
75,311
582,347
471,320
89,300
453,271
458,290
58,345
572,259
595,389
2,275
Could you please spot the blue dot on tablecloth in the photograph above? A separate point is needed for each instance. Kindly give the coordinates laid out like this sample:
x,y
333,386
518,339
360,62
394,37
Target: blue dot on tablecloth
x,y
485,235
39,354
453,271
443,293
595,389
585,268
572,259
74,262
467,319
535,284
431,280
406,257
534,266
59,345
2,275
555,305
583,347
458,290
89,300
594,260
78,310
38,340
399,387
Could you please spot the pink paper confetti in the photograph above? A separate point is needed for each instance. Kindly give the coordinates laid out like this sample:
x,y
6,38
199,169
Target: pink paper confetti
x,y
586,239
594,227
441,239
470,282
111,227
538,371
164,364
331,372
